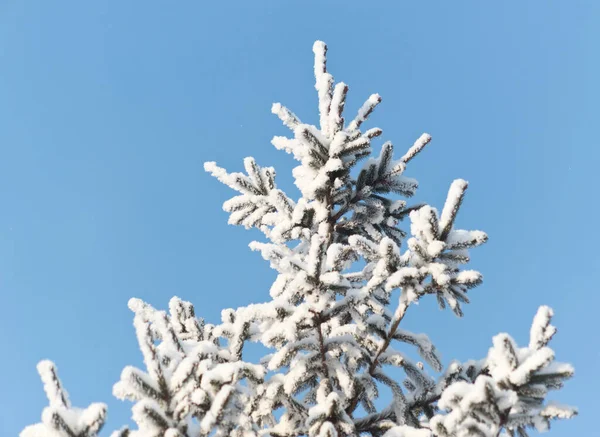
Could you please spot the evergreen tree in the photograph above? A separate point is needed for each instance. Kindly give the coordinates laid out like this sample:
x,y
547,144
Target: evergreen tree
x,y
333,323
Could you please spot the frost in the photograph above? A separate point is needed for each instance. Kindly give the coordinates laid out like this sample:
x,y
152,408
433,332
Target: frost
x,y
453,202
554,410
421,142
60,419
407,431
364,111
541,330
512,396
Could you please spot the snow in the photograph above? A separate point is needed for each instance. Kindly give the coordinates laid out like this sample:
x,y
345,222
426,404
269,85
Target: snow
x,y
459,239
421,142
364,111
556,410
135,385
541,330
407,431
462,397
323,84
469,277
533,363
288,118
453,201
60,419
337,107
55,393
216,410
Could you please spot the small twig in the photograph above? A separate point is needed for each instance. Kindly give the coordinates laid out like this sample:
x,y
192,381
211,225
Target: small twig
x,y
402,311
344,209
322,351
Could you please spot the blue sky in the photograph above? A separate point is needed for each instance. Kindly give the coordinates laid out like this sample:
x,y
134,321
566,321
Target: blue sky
x,y
108,110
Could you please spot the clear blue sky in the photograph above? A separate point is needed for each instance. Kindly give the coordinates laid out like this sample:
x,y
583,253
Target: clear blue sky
x,y
109,108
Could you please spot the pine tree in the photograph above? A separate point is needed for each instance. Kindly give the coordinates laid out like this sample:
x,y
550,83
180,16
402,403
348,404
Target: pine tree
x,y
347,273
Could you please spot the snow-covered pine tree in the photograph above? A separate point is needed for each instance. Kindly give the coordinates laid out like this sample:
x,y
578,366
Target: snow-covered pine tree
x,y
333,323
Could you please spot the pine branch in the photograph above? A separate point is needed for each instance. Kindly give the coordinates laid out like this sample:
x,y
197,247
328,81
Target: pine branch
x,y
400,312
365,423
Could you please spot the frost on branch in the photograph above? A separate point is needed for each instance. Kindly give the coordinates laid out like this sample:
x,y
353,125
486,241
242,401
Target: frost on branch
x,y
192,385
60,419
510,391
352,256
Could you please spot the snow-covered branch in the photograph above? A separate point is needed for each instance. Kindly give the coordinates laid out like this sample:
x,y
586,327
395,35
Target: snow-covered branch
x,y
60,419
